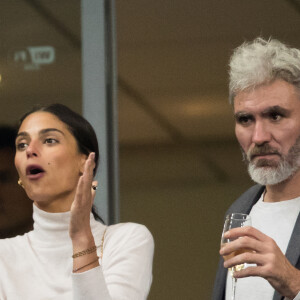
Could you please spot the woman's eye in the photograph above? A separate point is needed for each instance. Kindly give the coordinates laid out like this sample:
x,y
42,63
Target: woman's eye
x,y
50,141
21,146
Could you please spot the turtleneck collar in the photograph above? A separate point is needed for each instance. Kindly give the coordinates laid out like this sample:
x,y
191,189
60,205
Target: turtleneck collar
x,y
49,228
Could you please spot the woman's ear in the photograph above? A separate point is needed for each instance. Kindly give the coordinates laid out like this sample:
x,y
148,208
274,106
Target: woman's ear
x,y
82,160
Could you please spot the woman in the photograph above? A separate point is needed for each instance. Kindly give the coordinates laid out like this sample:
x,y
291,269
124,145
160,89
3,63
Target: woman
x,y
68,254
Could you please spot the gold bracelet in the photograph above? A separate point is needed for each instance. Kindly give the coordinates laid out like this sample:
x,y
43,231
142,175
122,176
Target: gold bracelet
x,y
75,270
92,249
84,252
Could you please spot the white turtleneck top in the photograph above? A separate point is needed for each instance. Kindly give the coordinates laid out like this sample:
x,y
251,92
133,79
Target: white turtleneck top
x,y
38,265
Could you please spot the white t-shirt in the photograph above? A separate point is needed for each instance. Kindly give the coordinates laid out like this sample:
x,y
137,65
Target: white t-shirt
x,y
277,220
38,265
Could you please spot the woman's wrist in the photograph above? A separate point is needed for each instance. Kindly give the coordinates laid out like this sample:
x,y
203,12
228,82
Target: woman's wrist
x,y
82,240
84,253
84,235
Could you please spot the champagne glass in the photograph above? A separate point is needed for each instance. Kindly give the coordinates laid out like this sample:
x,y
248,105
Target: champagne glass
x,y
234,220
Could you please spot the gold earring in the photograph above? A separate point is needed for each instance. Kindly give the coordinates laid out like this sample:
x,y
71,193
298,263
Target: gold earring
x,y
95,187
20,183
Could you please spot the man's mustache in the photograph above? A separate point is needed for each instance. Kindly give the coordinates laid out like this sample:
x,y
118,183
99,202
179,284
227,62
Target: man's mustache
x,y
264,149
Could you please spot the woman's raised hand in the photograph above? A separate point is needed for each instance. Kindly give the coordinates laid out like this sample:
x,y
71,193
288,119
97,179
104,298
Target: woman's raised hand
x,y
80,229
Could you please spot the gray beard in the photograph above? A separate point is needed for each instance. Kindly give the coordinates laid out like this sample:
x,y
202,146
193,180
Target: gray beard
x,y
271,175
267,172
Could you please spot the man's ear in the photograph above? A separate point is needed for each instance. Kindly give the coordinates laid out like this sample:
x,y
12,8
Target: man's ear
x,y
82,160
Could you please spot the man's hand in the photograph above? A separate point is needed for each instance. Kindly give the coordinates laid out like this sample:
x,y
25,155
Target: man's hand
x,y
264,252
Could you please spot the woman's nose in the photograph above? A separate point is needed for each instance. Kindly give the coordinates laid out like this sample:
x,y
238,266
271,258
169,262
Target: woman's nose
x,y
31,150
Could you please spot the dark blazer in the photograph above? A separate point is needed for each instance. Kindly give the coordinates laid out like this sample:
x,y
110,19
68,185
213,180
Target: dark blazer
x,y
243,205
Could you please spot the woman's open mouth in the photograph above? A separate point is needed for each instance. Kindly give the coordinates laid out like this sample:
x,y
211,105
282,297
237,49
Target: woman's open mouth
x,y
34,172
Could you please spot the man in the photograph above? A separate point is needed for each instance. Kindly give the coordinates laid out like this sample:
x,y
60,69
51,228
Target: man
x,y
15,207
265,93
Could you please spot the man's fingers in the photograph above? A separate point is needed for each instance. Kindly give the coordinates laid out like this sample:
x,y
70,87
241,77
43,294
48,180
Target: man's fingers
x,y
245,231
242,243
249,271
246,257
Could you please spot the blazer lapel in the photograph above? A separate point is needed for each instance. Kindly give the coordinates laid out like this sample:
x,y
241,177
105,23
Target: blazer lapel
x,y
245,203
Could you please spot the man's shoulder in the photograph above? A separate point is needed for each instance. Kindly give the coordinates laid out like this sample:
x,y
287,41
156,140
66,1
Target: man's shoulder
x,y
254,191
245,202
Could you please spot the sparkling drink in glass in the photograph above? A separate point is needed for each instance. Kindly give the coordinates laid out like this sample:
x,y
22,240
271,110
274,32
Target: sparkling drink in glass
x,y
234,220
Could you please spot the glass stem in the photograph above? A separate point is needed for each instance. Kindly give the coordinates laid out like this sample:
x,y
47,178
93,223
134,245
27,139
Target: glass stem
x,y
233,288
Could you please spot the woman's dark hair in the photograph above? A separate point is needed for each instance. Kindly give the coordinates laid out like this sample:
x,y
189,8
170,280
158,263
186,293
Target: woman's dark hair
x,y
7,137
79,127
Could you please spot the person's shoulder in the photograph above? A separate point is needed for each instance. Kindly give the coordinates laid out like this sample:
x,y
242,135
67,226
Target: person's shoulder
x,y
129,229
124,233
254,191
11,245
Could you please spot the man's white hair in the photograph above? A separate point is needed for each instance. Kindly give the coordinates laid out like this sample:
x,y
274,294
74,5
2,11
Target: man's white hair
x,y
261,62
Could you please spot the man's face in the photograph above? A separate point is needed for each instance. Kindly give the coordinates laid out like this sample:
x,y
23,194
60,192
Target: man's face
x,y
268,130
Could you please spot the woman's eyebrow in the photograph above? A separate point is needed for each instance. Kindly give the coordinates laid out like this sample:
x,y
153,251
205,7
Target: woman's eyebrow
x,y
46,130
23,133
43,131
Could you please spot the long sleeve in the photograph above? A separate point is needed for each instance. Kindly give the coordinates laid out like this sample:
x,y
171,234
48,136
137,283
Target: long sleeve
x,y
126,268
90,285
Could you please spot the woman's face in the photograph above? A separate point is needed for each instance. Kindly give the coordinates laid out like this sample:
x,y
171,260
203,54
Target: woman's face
x,y
48,161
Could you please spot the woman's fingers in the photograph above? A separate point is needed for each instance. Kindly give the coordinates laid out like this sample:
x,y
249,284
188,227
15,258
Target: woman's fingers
x,y
88,173
82,204
85,182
